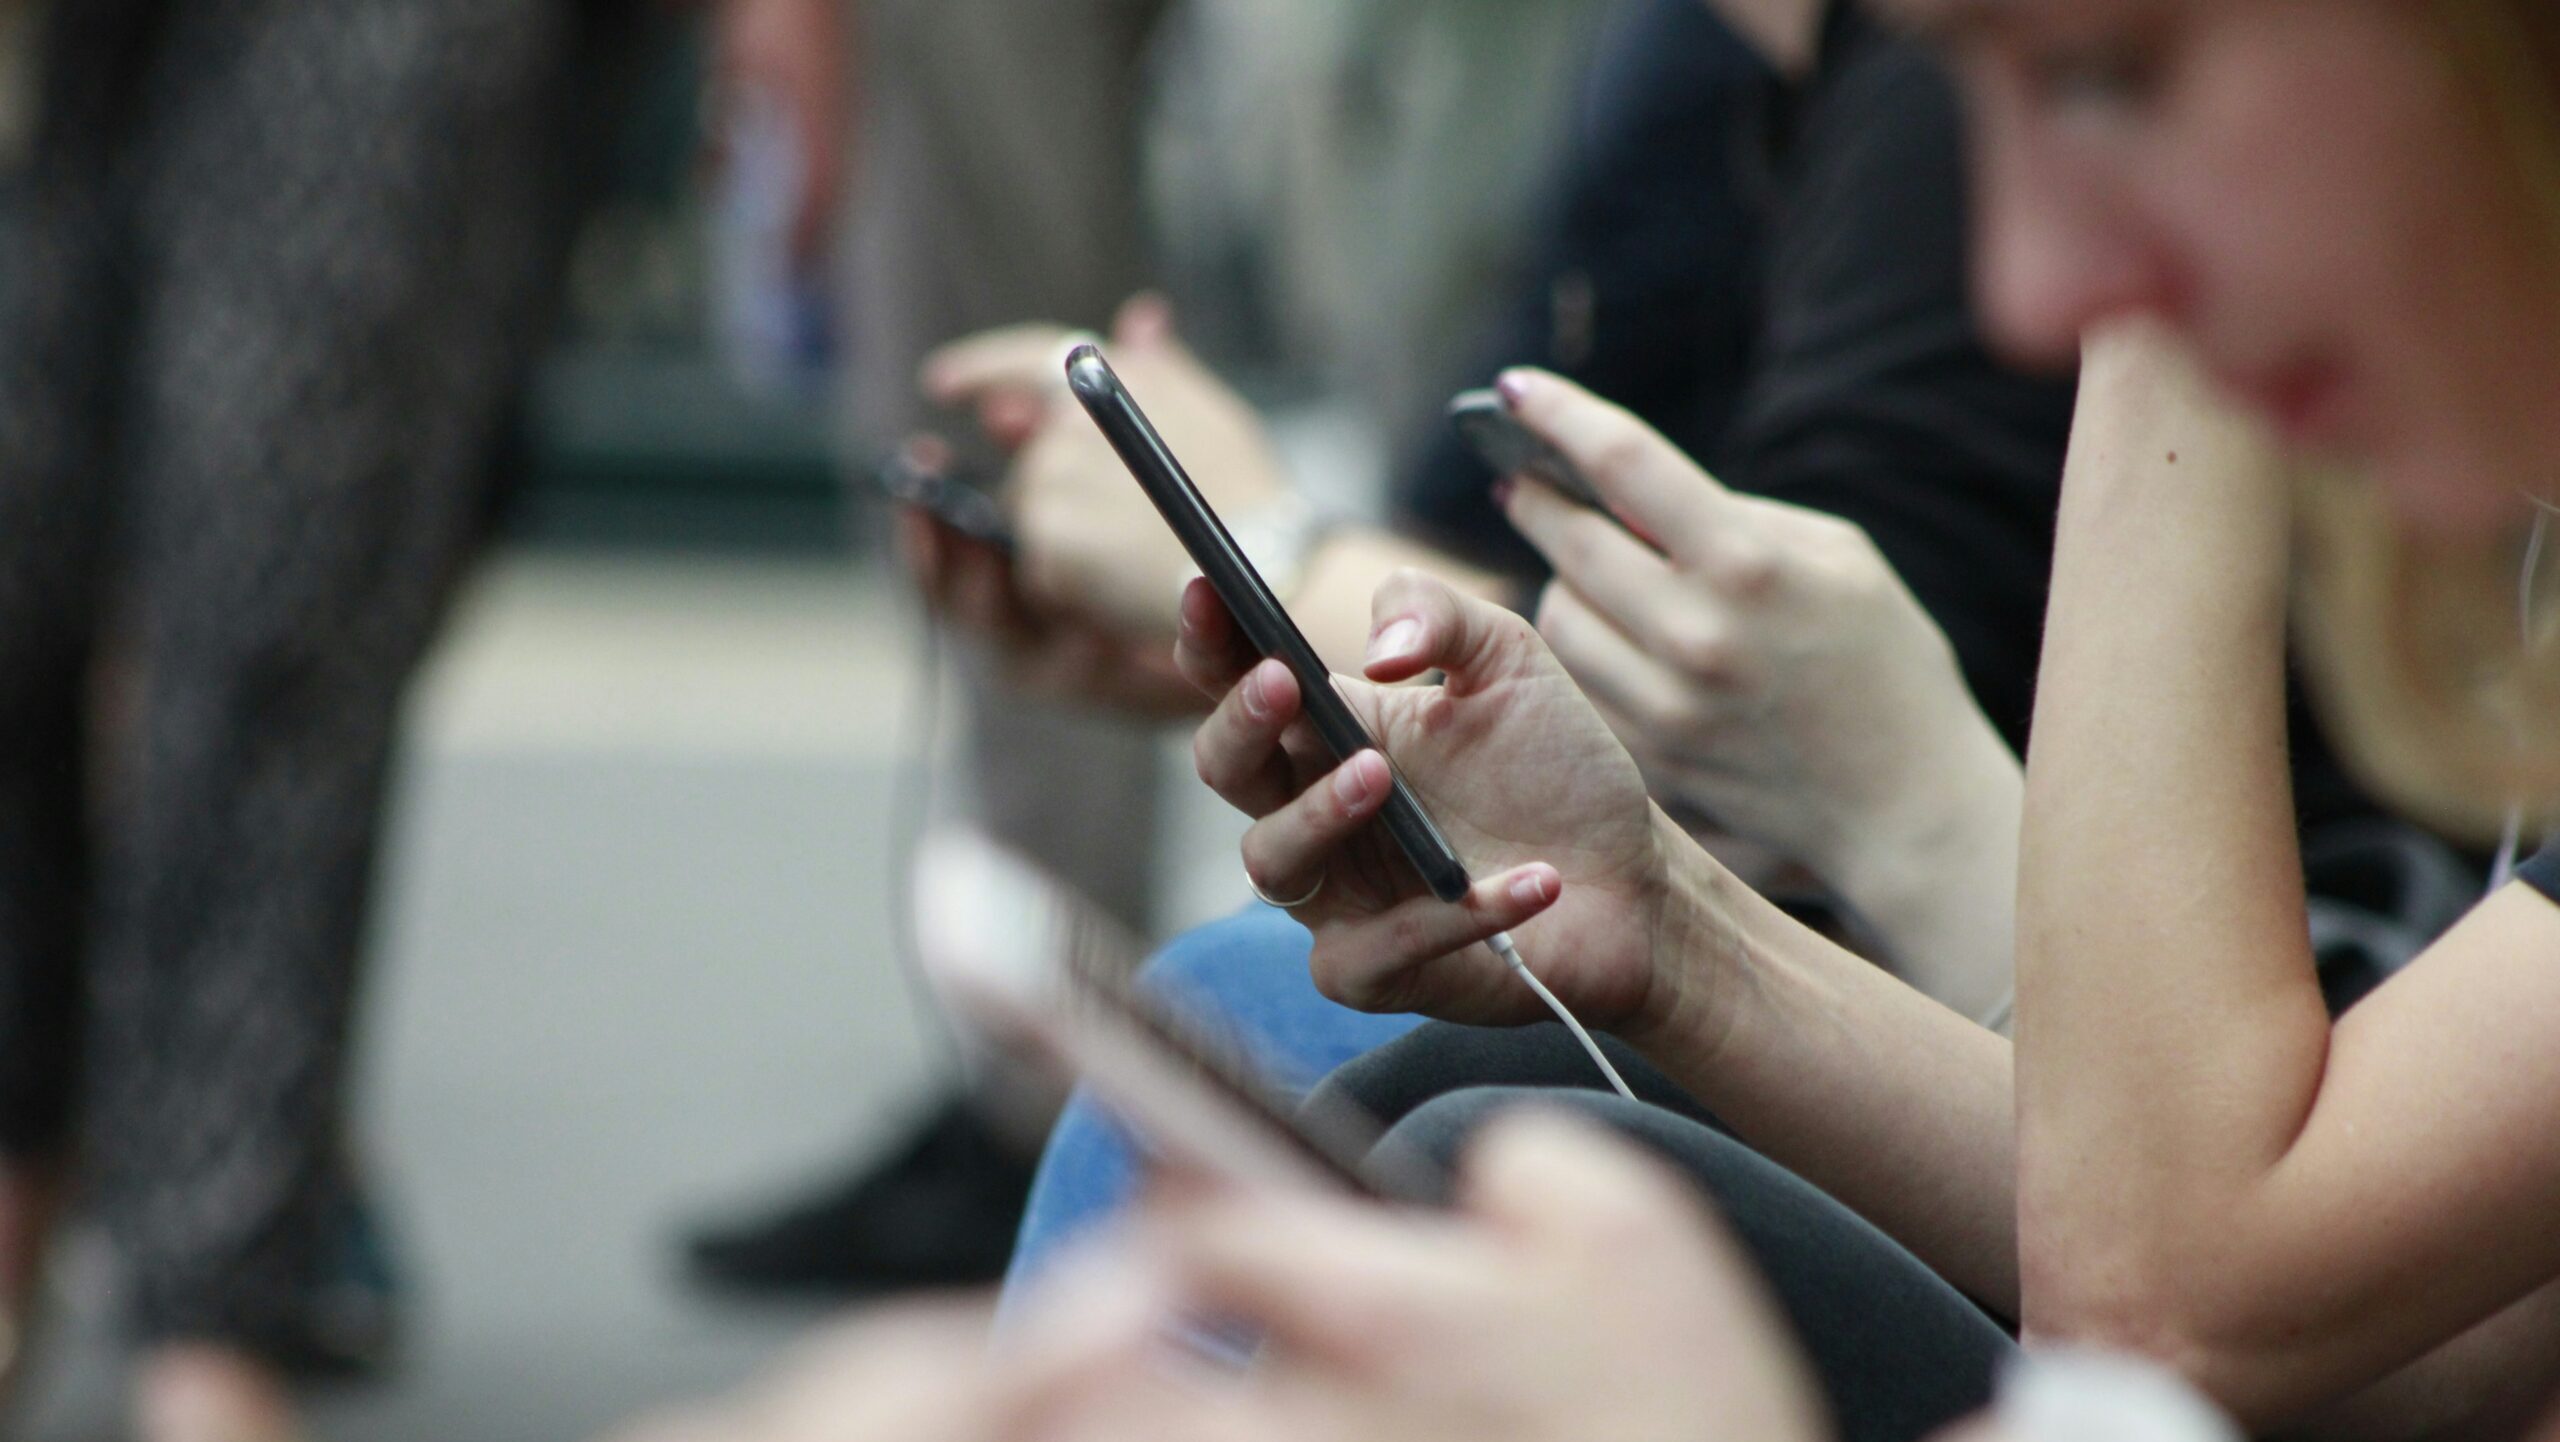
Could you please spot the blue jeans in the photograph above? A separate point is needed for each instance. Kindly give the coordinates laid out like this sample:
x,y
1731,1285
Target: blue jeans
x,y
1245,978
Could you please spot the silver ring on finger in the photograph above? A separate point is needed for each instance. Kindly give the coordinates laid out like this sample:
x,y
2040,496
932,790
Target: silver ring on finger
x,y
1268,899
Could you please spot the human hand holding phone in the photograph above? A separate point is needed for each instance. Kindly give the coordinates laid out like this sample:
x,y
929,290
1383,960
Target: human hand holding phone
x,y
1522,776
971,587
1768,668
1089,544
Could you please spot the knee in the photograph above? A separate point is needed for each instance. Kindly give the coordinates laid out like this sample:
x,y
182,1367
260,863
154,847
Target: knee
x,y
1255,946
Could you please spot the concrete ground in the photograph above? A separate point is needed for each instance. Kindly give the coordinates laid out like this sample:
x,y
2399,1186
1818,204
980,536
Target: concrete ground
x,y
634,968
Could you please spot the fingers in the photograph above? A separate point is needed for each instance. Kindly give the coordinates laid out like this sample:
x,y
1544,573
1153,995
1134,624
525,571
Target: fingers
x,y
1621,578
1145,320
1238,751
1551,1173
1624,680
1327,1279
1286,852
1419,624
1209,647
1012,357
1364,964
1644,478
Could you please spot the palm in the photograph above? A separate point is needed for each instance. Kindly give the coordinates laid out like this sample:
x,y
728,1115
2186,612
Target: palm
x,y
1519,769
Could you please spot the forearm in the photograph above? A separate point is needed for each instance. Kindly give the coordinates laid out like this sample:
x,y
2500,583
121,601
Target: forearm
x,y
1331,601
1882,1097
1936,878
2171,1032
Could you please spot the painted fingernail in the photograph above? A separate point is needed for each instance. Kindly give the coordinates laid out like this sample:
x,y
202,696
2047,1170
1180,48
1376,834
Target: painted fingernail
x,y
1513,387
1398,640
1502,490
1535,888
1356,781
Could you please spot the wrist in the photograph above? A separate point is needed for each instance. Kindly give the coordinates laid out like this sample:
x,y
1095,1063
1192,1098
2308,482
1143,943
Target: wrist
x,y
1700,953
1953,817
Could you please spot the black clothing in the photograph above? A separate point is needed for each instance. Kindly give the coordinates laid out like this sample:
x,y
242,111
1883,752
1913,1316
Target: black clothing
x,y
1778,282
1641,287
2542,873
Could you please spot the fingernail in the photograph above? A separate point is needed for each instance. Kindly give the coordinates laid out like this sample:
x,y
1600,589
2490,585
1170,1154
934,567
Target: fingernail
x,y
1533,889
1502,490
1257,693
1354,782
1398,640
1513,387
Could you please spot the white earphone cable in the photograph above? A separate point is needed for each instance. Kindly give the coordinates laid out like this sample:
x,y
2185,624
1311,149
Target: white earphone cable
x,y
1505,948
2511,841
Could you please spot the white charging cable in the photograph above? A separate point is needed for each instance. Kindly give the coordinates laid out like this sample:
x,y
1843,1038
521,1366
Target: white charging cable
x,y
1509,951
2511,843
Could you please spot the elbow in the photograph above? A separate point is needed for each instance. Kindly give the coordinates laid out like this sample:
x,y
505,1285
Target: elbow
x,y
2152,1296
2111,1299
2187,1318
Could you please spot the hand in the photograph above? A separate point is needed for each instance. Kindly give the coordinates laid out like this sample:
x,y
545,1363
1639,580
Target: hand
x,y
792,53
1092,544
1762,661
970,587
1579,1292
1535,794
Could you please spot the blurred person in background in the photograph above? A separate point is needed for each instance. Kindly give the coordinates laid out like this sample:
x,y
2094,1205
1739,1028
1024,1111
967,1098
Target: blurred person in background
x,y
275,276
978,162
967,161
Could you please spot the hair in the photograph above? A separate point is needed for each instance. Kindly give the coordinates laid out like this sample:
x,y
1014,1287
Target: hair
x,y
2437,666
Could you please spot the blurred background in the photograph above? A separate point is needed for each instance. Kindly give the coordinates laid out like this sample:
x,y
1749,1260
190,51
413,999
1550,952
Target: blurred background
x,y
657,700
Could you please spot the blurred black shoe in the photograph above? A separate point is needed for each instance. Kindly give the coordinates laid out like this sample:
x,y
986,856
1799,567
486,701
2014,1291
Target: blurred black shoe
x,y
939,1209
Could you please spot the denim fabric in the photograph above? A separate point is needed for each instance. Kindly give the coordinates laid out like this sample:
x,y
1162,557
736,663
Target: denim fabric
x,y
1246,978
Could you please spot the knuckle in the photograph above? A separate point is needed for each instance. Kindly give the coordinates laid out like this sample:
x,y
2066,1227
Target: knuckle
x,y
1341,980
1750,571
1701,649
1206,762
1621,452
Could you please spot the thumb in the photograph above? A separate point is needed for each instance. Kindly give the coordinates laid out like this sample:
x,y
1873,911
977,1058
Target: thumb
x,y
1549,1171
1145,322
1419,624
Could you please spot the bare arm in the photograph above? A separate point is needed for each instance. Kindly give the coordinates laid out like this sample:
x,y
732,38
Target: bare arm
x,y
2208,1172
1892,1103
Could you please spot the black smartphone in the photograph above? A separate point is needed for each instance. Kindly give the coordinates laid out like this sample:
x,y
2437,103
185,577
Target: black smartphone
x,y
927,476
1253,605
1512,449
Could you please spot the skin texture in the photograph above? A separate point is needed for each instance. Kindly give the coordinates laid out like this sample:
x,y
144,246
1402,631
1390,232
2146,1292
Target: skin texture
x,y
1094,551
2304,190
1744,652
1859,1083
2303,198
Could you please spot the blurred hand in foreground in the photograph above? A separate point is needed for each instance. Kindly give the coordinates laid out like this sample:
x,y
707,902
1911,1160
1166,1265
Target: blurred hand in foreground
x,y
1578,1293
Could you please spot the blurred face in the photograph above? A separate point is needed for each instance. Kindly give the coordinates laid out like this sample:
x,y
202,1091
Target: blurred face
x,y
2307,189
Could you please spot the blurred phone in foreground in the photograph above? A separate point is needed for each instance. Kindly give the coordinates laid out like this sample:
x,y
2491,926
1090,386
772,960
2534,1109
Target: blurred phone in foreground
x,y
1044,978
